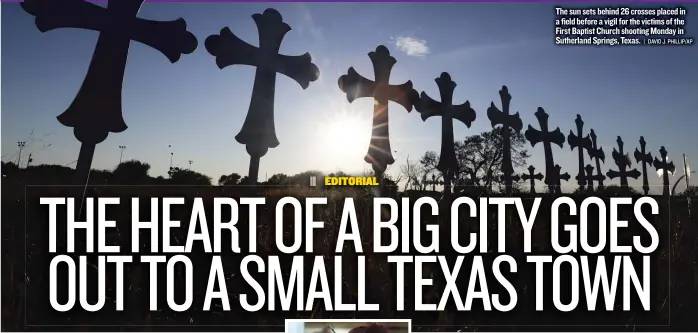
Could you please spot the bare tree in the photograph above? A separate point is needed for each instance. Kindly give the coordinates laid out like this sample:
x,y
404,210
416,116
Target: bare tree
x,y
480,156
414,174
429,162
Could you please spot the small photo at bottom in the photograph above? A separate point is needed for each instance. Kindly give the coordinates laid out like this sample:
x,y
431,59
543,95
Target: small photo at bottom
x,y
348,326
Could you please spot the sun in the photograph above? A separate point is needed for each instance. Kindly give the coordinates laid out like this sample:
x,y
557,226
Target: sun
x,y
345,134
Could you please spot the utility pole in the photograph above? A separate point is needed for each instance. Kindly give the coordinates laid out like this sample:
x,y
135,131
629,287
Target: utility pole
x,y
686,171
169,172
21,145
122,148
29,160
190,162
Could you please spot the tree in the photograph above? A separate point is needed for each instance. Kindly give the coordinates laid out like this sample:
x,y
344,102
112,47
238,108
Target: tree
x,y
278,179
414,174
609,191
691,191
429,162
480,156
131,172
303,179
181,176
231,179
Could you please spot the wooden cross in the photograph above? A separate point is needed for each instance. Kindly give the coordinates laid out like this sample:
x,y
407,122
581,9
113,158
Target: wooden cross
x,y
596,153
532,176
433,182
623,162
356,86
581,143
547,137
590,177
562,176
258,133
96,109
428,107
508,121
645,158
666,167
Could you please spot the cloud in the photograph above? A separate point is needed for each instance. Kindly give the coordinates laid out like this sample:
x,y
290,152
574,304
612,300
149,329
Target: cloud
x,y
488,49
310,22
412,46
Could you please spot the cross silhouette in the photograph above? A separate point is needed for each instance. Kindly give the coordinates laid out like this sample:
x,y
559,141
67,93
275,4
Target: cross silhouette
x,y
641,156
547,137
428,107
596,153
508,121
581,143
623,162
562,176
590,177
258,133
356,86
532,177
666,167
96,109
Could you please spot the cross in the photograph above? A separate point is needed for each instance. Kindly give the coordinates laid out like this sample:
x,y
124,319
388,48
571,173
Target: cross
x,y
561,176
547,137
258,133
508,121
356,86
645,158
596,153
433,182
581,143
428,107
590,177
623,162
96,109
533,177
666,168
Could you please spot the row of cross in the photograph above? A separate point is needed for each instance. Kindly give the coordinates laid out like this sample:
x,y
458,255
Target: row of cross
x,y
96,110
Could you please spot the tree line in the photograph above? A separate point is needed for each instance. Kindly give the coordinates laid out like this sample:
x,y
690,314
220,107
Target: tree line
x,y
479,158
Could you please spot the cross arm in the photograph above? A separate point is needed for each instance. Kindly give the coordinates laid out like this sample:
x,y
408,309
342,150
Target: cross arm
x,y
230,50
643,157
355,85
171,38
666,166
535,136
598,153
404,95
576,142
634,173
616,155
613,174
464,113
299,68
496,117
537,176
428,107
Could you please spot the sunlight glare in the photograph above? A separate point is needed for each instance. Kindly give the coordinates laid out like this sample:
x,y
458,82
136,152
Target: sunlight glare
x,y
346,134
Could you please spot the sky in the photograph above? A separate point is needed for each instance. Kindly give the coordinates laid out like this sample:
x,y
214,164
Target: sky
x,y
193,109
